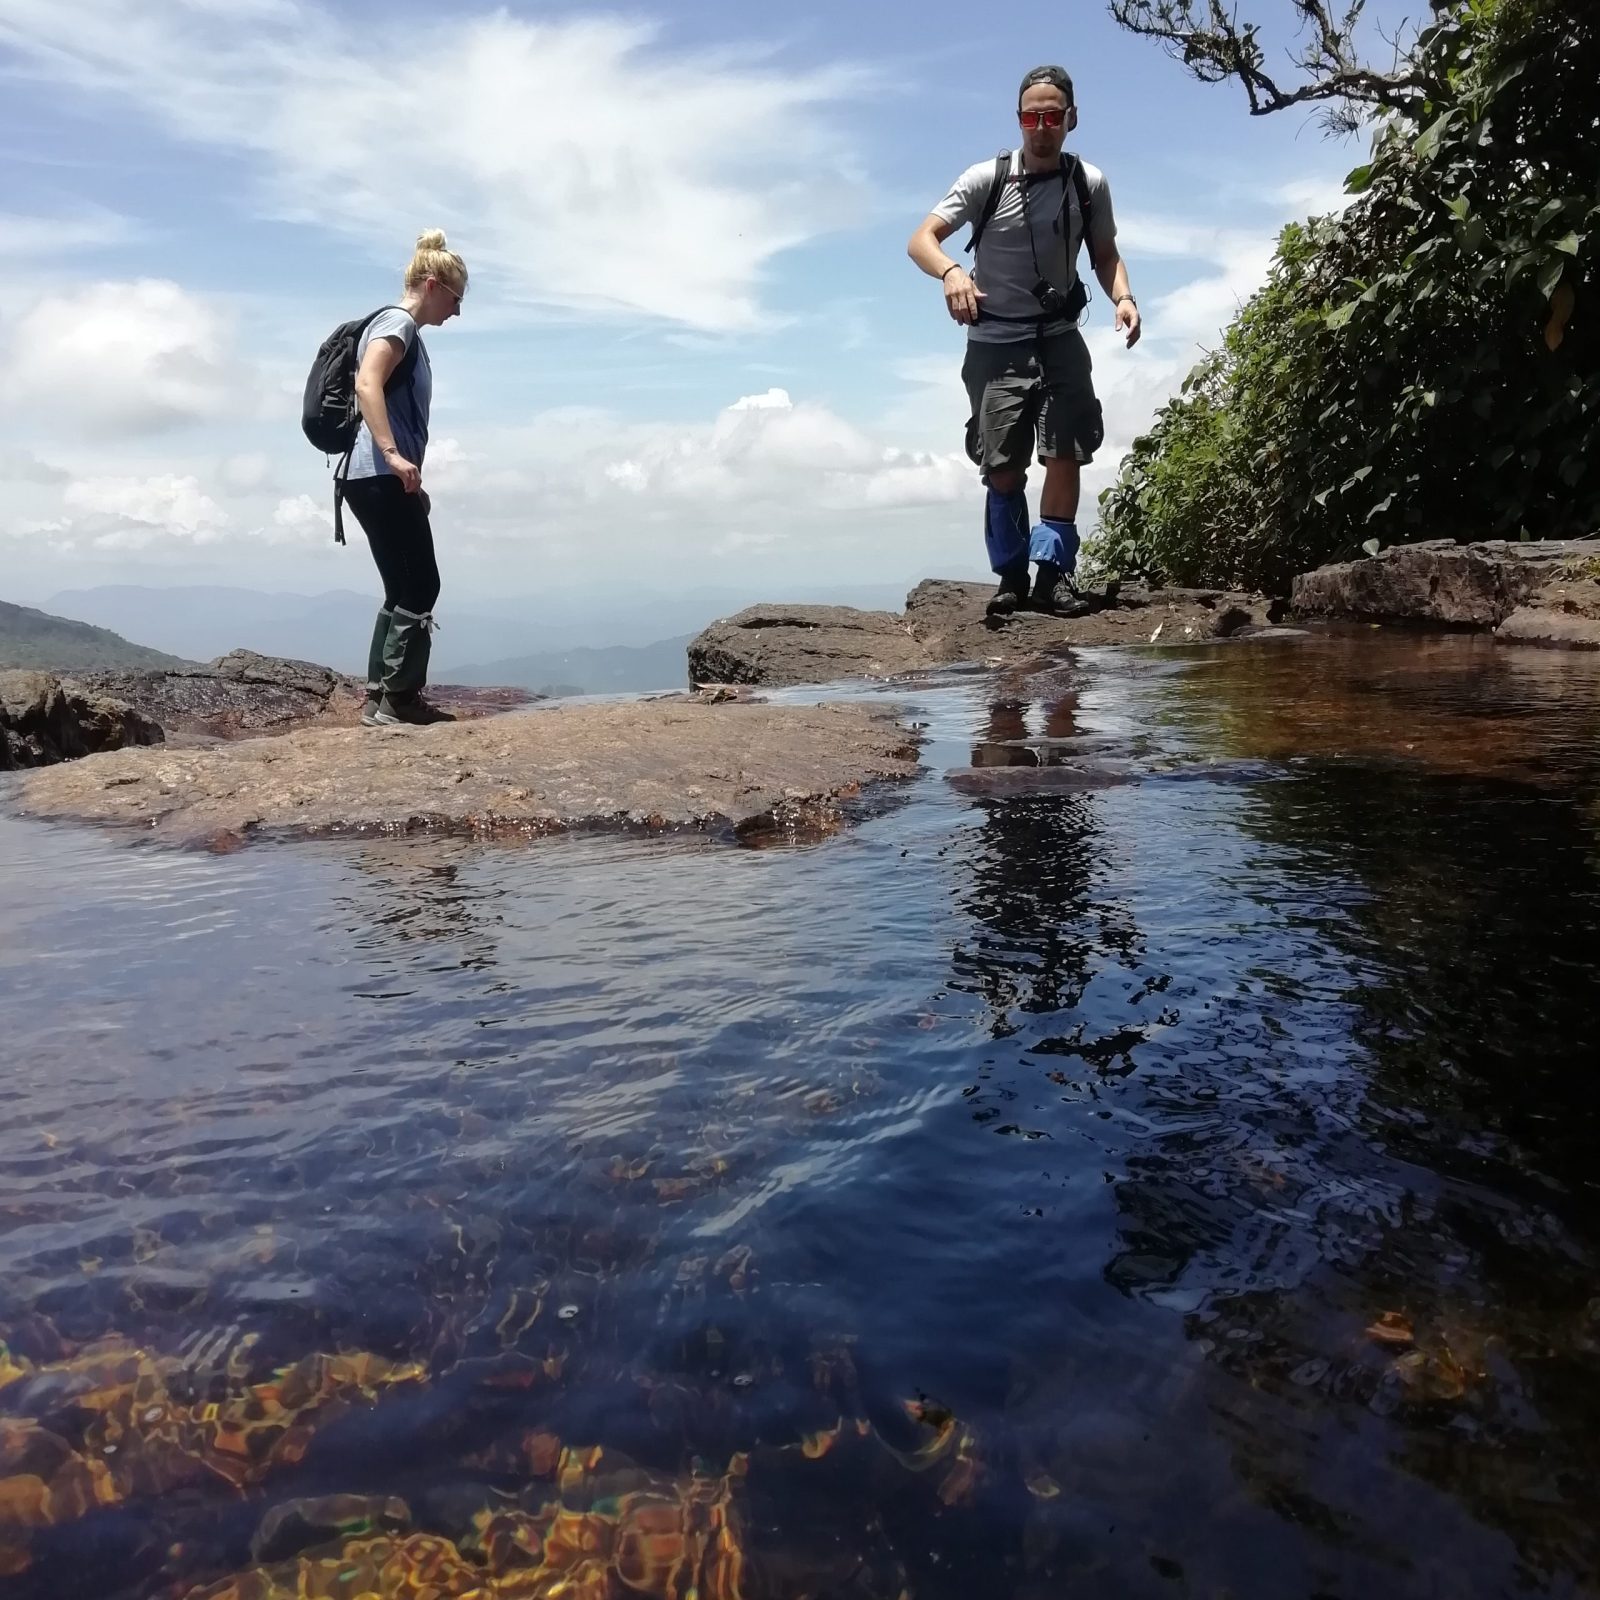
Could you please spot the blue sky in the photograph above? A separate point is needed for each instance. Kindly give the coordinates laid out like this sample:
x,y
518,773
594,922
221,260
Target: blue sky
x,y
693,350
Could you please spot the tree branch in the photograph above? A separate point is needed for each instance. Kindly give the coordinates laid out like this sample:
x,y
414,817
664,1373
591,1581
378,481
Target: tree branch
x,y
1215,46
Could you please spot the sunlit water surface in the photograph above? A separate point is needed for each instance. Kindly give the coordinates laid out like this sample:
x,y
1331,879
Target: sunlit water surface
x,y
1155,1156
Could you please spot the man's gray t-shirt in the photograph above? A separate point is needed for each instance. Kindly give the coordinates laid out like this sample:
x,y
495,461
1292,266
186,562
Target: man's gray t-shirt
x,y
1005,268
408,402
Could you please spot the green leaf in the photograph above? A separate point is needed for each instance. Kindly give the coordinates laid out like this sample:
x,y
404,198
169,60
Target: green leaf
x,y
1359,181
1427,145
1340,316
1371,546
1550,275
1460,207
1569,245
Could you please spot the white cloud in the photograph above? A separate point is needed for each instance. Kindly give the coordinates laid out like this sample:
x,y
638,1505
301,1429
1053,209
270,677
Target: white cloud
x,y
40,238
766,450
247,471
519,136
299,519
121,358
116,513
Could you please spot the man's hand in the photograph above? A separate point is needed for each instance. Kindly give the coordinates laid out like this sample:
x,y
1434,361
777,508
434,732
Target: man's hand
x,y
1128,321
408,472
961,295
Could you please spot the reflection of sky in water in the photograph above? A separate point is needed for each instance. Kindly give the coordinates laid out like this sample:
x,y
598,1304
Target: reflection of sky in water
x,y
1193,1015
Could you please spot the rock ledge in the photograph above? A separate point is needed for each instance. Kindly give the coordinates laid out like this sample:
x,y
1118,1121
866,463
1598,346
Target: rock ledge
x,y
737,767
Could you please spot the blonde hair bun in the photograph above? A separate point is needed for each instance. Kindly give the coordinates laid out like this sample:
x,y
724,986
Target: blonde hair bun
x,y
435,259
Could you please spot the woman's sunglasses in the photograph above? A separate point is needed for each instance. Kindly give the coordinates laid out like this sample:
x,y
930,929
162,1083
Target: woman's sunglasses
x,y
1032,119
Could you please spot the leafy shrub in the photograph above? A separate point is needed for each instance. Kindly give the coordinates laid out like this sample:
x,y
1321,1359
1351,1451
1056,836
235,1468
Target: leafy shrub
x,y
1426,365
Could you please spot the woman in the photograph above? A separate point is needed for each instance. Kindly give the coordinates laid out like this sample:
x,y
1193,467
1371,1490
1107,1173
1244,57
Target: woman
x,y
383,486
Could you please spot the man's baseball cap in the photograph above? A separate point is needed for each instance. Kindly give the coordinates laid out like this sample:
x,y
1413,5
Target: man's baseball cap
x,y
1056,77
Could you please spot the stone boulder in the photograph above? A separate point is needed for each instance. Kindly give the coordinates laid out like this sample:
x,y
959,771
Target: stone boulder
x,y
44,720
945,622
237,695
775,644
1445,584
1566,616
245,695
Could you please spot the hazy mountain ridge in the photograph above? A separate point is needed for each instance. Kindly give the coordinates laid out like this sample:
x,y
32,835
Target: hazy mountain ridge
x,y
44,642
602,669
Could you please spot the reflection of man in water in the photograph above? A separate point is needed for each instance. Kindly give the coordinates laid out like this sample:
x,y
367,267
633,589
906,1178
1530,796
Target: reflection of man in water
x,y
1034,868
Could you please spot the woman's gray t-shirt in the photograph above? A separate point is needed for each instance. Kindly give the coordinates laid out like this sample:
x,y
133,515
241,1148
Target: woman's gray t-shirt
x,y
408,402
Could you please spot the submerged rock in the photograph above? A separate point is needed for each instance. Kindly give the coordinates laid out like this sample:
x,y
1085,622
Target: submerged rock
x,y
44,720
944,622
656,764
1521,590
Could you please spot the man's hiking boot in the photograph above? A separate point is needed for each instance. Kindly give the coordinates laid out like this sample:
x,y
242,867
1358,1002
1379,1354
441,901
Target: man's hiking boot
x,y
411,710
1013,591
1055,596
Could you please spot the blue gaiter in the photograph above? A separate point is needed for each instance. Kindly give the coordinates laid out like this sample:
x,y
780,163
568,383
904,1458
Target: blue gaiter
x,y
1055,539
1005,528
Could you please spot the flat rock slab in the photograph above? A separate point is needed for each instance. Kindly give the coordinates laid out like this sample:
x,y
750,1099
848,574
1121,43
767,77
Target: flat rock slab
x,y
944,622
747,769
1444,583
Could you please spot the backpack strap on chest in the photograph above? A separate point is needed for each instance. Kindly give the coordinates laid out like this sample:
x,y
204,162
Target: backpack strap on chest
x,y
1072,171
991,201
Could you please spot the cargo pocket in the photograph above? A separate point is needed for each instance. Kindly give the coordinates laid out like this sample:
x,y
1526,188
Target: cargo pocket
x,y
1091,432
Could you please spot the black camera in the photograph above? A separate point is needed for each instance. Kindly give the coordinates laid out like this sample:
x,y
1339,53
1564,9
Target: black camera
x,y
1055,302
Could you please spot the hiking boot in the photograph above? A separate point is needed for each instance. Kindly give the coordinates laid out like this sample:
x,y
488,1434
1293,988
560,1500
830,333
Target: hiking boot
x,y
1054,594
1013,591
369,712
411,710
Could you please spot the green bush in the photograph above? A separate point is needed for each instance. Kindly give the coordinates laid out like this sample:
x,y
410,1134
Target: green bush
x,y
1426,365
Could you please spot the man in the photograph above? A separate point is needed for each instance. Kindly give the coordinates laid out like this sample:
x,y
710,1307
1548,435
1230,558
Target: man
x,y
1027,369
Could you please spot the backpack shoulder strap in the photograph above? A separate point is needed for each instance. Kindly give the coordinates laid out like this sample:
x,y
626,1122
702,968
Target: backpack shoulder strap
x,y
403,367
1080,182
991,202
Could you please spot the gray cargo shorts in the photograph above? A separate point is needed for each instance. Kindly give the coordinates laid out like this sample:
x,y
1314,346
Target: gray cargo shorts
x,y
1031,395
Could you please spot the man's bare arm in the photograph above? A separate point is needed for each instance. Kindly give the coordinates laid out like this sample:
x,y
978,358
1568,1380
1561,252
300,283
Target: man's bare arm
x,y
1112,271
961,294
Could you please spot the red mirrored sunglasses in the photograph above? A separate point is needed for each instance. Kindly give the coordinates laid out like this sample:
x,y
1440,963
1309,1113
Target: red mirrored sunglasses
x,y
1031,119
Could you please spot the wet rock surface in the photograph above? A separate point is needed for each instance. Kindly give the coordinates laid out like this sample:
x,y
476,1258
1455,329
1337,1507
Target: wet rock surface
x,y
44,720
944,622
1439,582
656,764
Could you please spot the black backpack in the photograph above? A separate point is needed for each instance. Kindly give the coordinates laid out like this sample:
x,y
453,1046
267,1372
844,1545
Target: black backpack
x,y
329,415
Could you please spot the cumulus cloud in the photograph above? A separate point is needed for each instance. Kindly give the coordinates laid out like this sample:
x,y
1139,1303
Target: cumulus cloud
x,y
521,138
121,358
766,450
127,513
298,519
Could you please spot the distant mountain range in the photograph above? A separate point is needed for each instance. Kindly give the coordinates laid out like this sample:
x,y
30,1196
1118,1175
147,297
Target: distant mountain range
x,y
557,644
46,643
607,669
333,628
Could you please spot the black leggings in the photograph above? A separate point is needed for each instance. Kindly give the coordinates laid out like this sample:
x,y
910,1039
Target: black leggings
x,y
396,525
